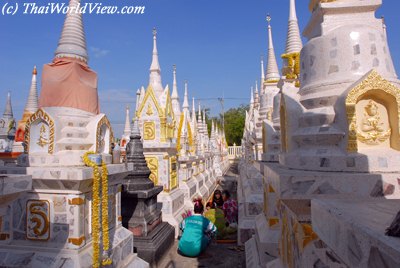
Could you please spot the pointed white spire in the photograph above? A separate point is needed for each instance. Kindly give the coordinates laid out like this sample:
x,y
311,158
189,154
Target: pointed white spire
x,y
175,98
193,109
127,129
32,103
262,71
155,70
293,41
272,66
72,42
204,122
199,119
8,112
185,104
256,98
137,99
251,96
155,65
135,128
175,87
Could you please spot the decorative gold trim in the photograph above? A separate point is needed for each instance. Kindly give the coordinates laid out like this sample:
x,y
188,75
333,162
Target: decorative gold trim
x,y
150,94
76,201
270,189
292,70
149,110
38,214
119,218
273,221
77,241
104,121
149,130
40,115
272,81
372,81
307,235
173,173
152,163
178,137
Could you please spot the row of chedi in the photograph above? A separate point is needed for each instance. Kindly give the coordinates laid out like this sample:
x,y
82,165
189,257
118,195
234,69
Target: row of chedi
x,y
60,208
322,137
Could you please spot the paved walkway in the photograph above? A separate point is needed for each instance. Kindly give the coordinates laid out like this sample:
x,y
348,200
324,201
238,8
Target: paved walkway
x,y
216,255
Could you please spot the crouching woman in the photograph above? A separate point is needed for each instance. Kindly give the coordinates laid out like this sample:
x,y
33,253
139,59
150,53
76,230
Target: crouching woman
x,y
197,232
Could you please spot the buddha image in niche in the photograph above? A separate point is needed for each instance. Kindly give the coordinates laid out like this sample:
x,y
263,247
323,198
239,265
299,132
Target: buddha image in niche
x,y
372,121
373,127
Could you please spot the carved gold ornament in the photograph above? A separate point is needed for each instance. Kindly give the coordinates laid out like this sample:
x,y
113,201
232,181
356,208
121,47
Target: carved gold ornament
x,y
173,174
149,130
76,241
38,220
150,95
372,130
292,70
40,115
178,138
373,81
152,163
149,110
42,141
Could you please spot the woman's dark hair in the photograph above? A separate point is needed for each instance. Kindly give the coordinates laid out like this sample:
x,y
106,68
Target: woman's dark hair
x,y
226,193
198,206
210,204
217,192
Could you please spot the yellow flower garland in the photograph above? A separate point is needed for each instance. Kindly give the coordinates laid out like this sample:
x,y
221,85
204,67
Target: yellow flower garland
x,y
106,260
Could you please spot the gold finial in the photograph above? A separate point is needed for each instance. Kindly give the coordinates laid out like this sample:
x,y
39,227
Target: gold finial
x,y
34,70
269,19
154,32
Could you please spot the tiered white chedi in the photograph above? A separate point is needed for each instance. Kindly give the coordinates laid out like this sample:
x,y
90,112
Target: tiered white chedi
x,y
7,127
261,140
31,106
339,127
176,146
55,224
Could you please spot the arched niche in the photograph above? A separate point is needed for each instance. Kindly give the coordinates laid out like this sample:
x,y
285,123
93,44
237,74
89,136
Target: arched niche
x,y
39,133
373,113
104,136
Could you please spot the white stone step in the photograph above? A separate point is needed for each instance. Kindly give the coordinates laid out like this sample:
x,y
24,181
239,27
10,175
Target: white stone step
x,y
317,117
73,121
74,132
73,144
318,135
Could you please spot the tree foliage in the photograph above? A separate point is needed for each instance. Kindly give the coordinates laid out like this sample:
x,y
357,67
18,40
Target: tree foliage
x,y
234,124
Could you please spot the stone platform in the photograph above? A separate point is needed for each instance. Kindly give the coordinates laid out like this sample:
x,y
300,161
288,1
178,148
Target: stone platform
x,y
354,228
288,183
250,200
